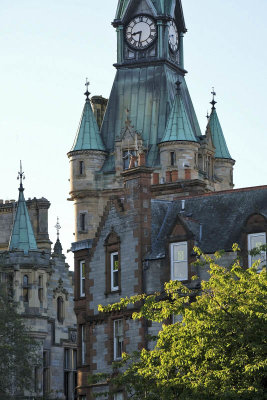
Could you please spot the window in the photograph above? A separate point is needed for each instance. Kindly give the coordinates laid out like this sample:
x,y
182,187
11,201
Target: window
x,y
81,167
255,241
118,339
179,261
127,157
118,396
82,222
70,374
46,372
172,154
25,288
40,288
82,278
60,309
114,263
83,343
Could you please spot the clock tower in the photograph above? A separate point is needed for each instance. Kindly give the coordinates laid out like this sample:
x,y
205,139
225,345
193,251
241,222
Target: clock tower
x,y
150,112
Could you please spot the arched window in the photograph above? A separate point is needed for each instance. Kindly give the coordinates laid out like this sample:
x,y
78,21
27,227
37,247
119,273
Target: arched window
x,y
25,288
60,309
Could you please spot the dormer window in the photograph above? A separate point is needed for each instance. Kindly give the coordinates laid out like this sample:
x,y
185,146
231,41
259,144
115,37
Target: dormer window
x,y
256,240
114,263
179,261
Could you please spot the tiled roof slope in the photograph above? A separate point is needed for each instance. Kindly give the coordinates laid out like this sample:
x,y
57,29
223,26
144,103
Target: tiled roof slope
x,y
22,236
220,215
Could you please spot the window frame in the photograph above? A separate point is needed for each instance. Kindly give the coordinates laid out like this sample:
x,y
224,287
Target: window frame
x,y
82,221
184,279
25,289
117,345
250,257
60,309
82,278
113,271
118,396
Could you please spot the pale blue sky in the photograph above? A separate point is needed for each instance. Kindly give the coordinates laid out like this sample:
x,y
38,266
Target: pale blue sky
x,y
49,47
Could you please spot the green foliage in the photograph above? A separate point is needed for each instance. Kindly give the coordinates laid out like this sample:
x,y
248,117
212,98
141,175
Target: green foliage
x,y
217,351
17,350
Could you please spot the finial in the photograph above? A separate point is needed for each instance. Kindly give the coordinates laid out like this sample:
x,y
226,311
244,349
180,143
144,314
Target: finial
x,y
87,93
178,85
208,116
213,102
21,176
58,227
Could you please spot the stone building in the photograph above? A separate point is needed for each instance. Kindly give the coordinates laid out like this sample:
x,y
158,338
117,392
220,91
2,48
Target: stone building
x,y
147,186
41,284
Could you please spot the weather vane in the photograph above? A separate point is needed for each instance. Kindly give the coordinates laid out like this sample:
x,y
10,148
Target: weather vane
x,y
58,227
87,93
21,175
213,102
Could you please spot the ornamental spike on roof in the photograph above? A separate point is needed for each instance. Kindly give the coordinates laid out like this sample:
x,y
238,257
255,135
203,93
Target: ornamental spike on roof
x,y
218,136
88,135
178,126
22,236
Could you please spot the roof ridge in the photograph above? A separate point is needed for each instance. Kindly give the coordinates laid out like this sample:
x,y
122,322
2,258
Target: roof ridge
x,y
250,188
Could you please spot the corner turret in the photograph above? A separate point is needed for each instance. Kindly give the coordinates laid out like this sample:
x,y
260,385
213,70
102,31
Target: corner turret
x,y
179,146
86,157
22,236
223,167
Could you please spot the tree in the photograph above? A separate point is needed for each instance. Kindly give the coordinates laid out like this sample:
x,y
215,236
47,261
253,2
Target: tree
x,y
218,348
18,351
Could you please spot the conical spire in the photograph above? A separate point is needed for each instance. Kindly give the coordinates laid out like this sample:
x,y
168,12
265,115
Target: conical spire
x,y
88,135
217,132
178,126
22,236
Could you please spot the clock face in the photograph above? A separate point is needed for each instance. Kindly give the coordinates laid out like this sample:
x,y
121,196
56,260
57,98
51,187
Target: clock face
x,y
173,36
141,32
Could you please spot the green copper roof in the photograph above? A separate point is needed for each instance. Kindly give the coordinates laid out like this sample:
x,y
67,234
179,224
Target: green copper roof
x,y
122,5
149,93
22,236
88,135
178,125
218,136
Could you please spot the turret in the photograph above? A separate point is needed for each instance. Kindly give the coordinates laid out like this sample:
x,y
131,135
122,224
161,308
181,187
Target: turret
x,y
22,236
86,157
223,168
179,145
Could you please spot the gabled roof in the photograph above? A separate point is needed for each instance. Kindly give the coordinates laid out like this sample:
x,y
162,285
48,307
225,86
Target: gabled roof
x,y
218,136
22,236
178,126
88,135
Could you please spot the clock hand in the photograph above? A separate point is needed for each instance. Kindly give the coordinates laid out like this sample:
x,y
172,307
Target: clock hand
x,y
137,33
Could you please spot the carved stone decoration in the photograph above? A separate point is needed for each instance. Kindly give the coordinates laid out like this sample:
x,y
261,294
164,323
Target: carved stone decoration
x,y
60,290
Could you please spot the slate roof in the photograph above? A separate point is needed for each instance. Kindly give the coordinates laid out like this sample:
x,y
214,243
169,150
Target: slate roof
x,y
216,220
178,126
88,135
218,136
22,236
